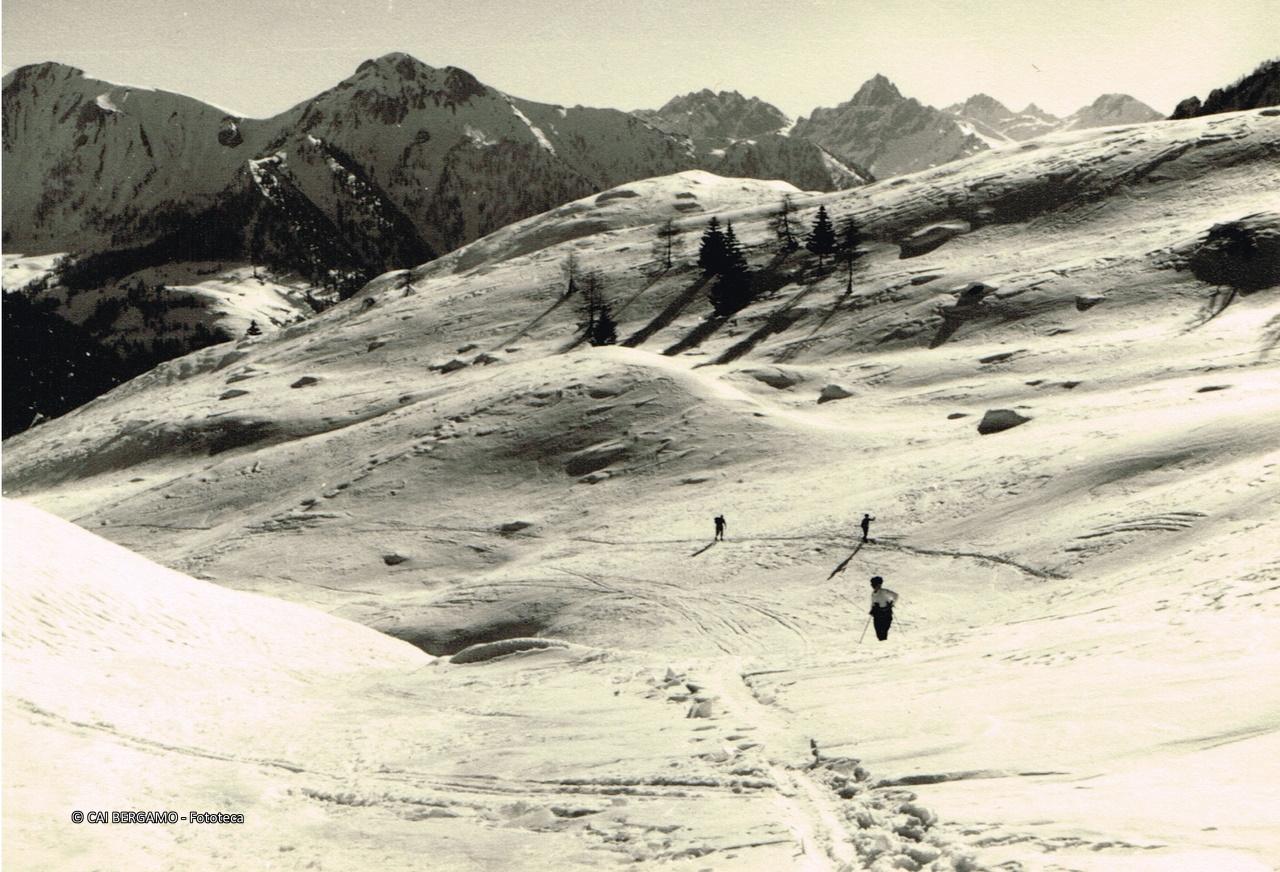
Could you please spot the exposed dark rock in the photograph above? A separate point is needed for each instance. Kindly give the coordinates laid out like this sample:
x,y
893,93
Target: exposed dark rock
x,y
833,392
997,420
1242,254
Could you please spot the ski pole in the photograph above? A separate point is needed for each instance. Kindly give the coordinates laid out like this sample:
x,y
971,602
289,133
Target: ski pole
x,y
864,630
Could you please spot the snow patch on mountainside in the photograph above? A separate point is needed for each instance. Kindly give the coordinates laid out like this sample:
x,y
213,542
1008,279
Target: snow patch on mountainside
x,y
537,131
991,141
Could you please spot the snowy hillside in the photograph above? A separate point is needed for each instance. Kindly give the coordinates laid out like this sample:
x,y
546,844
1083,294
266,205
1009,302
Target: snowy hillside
x,y
1051,380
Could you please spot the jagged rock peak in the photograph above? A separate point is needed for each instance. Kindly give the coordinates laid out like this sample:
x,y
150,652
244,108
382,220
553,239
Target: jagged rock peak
x,y
706,96
877,91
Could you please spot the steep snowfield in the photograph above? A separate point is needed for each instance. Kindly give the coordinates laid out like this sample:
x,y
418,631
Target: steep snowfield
x,y
1079,673
20,271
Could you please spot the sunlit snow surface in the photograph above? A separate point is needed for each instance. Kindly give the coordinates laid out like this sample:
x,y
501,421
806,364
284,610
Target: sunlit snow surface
x,y
1079,676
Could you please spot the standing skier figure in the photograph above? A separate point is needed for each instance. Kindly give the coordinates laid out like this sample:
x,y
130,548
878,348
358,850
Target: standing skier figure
x,y
882,600
866,525
720,525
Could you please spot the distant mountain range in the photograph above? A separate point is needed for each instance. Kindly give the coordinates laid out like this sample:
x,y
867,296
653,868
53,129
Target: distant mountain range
x,y
394,165
402,161
995,124
879,132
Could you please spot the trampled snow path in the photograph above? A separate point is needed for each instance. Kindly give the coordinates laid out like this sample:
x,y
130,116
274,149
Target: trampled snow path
x,y
840,820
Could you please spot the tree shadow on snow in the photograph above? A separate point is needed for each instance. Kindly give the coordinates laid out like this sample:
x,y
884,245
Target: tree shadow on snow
x,y
534,323
669,314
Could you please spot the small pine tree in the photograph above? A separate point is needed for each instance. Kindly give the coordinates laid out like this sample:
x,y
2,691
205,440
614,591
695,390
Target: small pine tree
x,y
667,243
711,252
572,272
592,301
734,261
822,238
605,329
254,329
847,248
781,224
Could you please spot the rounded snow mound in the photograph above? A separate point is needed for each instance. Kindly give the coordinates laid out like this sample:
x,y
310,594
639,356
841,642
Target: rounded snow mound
x,y
693,194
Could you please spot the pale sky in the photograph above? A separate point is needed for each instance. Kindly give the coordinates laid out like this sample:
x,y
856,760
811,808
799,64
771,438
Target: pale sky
x,y
259,57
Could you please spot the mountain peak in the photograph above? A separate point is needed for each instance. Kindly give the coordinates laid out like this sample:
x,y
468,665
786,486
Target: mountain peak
x,y
985,102
1111,109
43,71
395,73
1036,112
397,63
877,91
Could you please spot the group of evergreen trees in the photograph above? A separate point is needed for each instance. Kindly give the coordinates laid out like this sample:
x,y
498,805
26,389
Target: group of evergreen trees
x,y
720,255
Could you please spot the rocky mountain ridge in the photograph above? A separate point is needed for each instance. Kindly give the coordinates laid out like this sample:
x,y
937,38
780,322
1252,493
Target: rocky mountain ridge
x,y
996,124
886,132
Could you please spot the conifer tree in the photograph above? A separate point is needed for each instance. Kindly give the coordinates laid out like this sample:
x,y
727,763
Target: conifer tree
x,y
254,329
733,290
781,223
847,248
667,243
734,260
711,252
822,238
605,329
571,272
592,301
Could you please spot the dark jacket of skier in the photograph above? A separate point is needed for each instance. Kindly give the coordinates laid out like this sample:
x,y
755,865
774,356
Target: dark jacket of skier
x,y
882,600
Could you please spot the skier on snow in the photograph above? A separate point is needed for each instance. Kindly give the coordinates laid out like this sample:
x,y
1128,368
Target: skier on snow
x,y
720,525
882,600
866,525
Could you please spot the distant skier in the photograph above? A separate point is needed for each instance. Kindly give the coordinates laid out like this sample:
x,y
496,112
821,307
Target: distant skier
x,y
882,600
866,526
720,525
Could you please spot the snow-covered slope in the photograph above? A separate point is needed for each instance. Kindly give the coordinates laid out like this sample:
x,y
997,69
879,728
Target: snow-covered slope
x,y
1078,673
